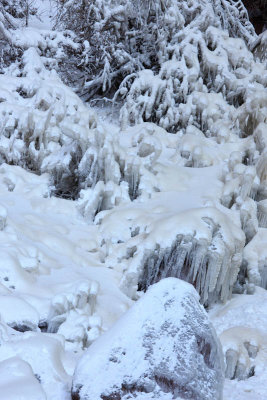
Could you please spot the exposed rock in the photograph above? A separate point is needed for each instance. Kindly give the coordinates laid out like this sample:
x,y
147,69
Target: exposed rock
x,y
163,347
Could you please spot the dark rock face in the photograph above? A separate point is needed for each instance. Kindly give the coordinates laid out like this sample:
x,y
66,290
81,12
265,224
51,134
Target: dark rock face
x,y
21,327
257,12
164,348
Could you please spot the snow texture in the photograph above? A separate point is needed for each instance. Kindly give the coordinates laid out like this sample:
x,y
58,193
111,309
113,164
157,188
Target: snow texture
x,y
126,36
17,381
255,258
163,347
92,213
56,297
241,327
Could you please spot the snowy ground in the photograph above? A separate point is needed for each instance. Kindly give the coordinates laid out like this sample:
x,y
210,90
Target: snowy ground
x,y
50,266
46,12
65,277
51,269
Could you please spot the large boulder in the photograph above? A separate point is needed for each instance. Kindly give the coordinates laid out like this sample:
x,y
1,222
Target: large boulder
x,y
164,347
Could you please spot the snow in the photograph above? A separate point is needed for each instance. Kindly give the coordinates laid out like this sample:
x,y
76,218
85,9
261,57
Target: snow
x,y
44,18
255,255
17,381
18,313
241,326
50,275
139,353
94,211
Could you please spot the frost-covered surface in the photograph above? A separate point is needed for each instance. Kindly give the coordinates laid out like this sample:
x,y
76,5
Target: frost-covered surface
x,y
93,213
51,280
127,36
255,257
241,326
17,381
168,353
43,122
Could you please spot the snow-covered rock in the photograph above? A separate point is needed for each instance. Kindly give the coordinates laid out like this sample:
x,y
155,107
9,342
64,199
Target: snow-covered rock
x,y
18,314
163,347
17,381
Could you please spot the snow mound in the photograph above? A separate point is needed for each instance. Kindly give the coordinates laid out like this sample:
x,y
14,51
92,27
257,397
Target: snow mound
x,y
175,225
200,250
17,381
18,314
44,354
53,285
163,347
241,326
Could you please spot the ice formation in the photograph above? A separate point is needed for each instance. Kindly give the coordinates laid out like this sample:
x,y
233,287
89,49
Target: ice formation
x,y
93,213
241,326
198,61
39,133
169,353
54,291
126,36
255,259
77,153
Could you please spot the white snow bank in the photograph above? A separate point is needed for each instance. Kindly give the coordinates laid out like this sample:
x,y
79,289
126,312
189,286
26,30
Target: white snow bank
x,y
241,326
18,314
176,211
44,354
51,278
17,381
151,204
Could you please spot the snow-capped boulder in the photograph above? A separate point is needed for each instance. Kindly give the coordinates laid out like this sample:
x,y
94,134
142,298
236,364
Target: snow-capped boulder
x,y
163,347
17,381
18,314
